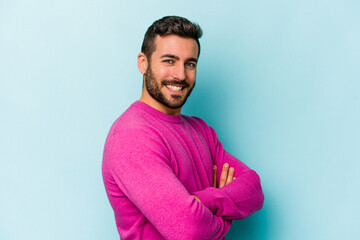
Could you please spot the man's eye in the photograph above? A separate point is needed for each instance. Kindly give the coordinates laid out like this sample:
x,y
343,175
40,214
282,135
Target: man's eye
x,y
168,61
190,64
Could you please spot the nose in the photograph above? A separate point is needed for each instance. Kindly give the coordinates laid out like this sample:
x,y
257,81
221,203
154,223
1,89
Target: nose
x,y
179,72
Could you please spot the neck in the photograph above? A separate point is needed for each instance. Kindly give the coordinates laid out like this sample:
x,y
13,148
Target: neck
x,y
146,98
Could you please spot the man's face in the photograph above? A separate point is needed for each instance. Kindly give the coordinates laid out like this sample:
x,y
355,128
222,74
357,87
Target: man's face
x,y
171,72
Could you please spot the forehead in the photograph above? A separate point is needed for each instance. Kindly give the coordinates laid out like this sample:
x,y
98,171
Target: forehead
x,y
175,45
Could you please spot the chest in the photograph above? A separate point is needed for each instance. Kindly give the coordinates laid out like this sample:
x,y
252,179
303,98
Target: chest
x,y
191,157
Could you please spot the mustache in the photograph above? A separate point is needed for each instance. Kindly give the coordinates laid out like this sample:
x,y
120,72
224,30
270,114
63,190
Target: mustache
x,y
175,82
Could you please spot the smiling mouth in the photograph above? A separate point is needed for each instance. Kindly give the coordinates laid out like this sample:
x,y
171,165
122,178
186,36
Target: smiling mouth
x,y
174,88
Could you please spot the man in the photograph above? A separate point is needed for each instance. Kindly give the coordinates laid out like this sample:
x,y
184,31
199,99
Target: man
x,y
160,167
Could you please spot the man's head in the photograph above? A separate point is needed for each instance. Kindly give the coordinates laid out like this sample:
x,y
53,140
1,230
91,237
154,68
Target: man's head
x,y
168,61
170,25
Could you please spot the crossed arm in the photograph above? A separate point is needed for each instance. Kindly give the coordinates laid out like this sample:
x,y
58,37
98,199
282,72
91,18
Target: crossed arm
x,y
164,201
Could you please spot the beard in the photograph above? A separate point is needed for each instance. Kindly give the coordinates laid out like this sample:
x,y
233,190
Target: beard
x,y
153,88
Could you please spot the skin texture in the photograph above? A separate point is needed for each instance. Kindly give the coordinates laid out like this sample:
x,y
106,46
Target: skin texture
x,y
172,63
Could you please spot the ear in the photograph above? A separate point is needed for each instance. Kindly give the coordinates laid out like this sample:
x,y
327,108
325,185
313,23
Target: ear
x,y
142,62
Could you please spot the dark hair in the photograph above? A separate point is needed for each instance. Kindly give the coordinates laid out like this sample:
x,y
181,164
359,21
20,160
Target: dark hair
x,y
170,25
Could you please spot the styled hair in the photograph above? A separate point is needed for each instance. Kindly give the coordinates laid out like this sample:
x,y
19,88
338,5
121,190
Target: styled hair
x,y
170,25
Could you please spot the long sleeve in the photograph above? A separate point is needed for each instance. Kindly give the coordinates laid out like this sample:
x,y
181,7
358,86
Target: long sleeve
x,y
241,197
138,161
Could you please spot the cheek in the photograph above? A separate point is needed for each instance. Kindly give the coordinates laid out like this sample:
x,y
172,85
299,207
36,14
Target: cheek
x,y
191,76
161,73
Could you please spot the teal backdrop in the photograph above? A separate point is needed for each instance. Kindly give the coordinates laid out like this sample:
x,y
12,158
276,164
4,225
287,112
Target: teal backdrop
x,y
278,80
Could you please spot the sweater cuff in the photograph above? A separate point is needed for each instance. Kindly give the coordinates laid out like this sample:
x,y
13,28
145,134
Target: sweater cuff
x,y
206,197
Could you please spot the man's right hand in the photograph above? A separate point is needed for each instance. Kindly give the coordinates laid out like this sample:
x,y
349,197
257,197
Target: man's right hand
x,y
227,175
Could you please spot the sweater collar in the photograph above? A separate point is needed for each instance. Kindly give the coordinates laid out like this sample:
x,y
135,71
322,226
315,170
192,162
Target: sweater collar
x,y
158,114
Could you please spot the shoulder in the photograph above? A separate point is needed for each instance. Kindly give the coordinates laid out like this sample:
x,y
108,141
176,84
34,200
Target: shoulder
x,y
131,118
202,128
134,122
195,121
133,128
131,141
199,124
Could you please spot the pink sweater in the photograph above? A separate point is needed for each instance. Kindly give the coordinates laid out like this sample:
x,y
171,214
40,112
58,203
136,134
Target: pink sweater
x,y
152,165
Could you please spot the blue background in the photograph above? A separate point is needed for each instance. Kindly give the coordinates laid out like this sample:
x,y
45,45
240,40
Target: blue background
x,y
278,80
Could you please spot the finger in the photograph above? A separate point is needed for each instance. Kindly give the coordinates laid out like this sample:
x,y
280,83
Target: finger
x,y
224,174
215,174
230,176
197,199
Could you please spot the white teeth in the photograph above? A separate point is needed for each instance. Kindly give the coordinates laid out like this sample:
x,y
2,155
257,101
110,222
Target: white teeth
x,y
174,88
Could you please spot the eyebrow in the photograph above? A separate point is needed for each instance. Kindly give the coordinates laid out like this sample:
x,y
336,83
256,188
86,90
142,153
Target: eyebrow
x,y
177,58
